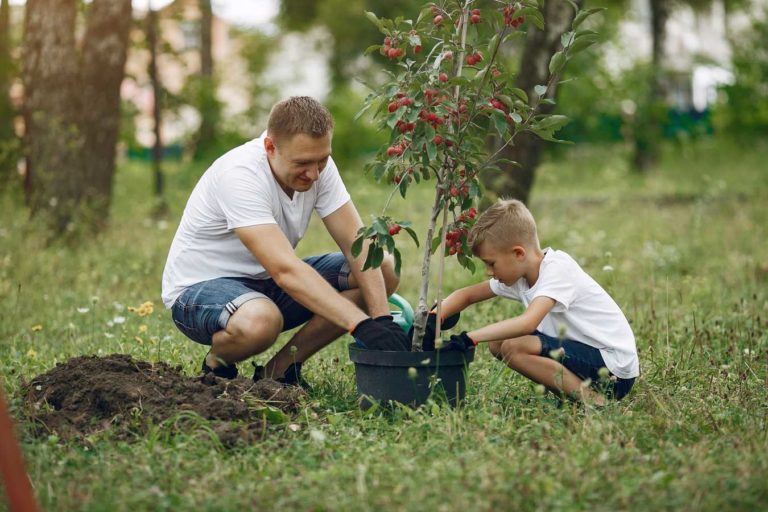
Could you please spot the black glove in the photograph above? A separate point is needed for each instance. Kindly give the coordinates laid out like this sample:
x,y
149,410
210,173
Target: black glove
x,y
459,343
380,334
428,343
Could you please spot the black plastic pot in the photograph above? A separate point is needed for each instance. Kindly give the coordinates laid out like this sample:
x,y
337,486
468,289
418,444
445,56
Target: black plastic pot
x,y
384,376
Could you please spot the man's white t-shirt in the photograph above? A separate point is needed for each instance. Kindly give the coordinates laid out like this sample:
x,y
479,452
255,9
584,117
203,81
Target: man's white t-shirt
x,y
240,190
582,307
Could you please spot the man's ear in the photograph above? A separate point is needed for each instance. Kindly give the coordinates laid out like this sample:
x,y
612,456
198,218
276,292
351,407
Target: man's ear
x,y
269,145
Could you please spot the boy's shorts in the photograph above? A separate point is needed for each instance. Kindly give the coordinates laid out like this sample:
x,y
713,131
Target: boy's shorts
x,y
585,361
205,308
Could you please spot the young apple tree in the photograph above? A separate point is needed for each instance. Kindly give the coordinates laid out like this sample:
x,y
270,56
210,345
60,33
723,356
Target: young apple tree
x,y
449,91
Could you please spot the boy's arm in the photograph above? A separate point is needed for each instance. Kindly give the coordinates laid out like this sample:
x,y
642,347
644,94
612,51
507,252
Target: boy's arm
x,y
521,325
462,298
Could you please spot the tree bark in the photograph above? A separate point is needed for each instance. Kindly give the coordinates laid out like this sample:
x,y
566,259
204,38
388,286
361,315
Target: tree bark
x,y
72,108
208,105
53,140
649,116
516,181
8,142
157,107
105,50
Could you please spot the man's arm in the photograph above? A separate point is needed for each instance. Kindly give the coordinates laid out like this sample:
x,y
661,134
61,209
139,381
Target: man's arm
x,y
520,325
343,225
299,280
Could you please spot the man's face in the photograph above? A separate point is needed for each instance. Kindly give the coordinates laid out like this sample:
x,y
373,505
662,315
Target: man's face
x,y
298,161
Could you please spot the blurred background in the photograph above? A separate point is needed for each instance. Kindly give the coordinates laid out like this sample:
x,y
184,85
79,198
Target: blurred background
x,y
87,85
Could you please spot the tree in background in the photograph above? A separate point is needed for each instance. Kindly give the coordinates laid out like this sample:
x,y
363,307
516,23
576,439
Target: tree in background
x,y
151,30
515,180
9,145
72,108
205,84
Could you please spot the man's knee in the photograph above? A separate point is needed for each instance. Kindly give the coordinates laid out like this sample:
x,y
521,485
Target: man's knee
x,y
257,322
391,280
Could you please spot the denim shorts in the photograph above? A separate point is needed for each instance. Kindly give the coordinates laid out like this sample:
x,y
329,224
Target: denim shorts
x,y
585,361
205,308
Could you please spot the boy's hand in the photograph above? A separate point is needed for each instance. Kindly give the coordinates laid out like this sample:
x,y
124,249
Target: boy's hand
x,y
380,334
459,343
428,343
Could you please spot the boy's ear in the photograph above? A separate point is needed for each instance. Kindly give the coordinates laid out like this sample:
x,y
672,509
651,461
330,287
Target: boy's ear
x,y
519,252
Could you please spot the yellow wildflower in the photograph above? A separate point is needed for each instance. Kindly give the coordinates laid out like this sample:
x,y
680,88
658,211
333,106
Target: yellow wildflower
x,y
31,354
145,309
37,327
143,328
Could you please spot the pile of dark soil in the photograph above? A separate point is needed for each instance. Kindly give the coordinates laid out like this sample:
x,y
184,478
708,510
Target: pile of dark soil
x,y
87,395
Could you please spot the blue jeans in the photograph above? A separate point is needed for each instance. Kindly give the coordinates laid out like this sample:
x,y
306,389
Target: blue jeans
x,y
585,361
205,308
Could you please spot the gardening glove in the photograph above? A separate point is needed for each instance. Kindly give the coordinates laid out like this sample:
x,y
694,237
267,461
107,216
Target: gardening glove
x,y
380,334
428,343
458,343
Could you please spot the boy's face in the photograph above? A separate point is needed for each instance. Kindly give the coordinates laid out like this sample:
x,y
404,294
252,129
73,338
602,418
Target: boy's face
x,y
505,264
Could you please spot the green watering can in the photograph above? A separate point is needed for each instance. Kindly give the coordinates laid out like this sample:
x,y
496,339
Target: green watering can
x,y
404,316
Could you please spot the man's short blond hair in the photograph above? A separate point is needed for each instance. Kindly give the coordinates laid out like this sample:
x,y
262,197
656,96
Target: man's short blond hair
x,y
505,224
299,115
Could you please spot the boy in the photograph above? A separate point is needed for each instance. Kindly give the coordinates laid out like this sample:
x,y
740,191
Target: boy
x,y
571,329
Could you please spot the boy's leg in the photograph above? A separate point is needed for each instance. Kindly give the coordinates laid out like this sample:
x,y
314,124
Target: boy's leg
x,y
318,332
523,355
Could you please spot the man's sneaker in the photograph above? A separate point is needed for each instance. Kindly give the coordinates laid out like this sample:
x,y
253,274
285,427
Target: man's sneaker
x,y
292,376
225,372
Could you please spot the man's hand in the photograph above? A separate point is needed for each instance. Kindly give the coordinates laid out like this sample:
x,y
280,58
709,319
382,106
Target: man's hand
x,y
459,343
380,334
428,343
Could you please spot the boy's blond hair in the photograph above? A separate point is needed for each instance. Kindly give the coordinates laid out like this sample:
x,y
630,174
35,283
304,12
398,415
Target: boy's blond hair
x,y
506,223
299,114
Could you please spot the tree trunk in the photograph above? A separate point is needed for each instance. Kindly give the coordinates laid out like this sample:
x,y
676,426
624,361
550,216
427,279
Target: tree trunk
x,y
516,181
8,142
72,108
157,109
208,105
53,139
649,117
104,53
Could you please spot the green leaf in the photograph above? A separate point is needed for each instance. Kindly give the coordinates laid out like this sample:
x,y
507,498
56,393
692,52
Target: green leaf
x,y
378,257
532,14
583,42
541,90
520,93
567,39
357,246
500,121
398,262
516,117
372,17
390,241
371,49
381,227
557,62
411,232
553,122
582,15
272,414
403,186
431,150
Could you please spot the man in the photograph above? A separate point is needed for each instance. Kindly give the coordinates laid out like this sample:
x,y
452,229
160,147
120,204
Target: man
x,y
232,279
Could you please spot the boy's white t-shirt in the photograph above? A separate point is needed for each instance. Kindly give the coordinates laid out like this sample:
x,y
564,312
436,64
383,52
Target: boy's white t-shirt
x,y
586,311
240,190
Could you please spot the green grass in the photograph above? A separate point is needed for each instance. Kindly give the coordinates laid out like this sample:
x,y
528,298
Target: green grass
x,y
682,250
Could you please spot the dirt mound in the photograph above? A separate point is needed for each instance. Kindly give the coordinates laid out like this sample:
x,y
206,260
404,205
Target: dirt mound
x,y
90,394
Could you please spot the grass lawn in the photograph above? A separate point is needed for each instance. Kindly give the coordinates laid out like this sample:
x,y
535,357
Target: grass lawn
x,y
682,250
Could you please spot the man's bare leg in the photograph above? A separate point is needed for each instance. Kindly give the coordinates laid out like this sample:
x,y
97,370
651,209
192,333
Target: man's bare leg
x,y
251,330
314,335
